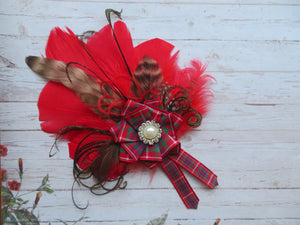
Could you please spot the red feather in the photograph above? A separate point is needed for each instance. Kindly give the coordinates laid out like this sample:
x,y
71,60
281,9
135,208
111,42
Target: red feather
x,y
106,53
66,47
59,107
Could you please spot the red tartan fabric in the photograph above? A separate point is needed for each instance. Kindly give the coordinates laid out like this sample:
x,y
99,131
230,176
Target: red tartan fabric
x,y
167,152
180,183
125,132
196,168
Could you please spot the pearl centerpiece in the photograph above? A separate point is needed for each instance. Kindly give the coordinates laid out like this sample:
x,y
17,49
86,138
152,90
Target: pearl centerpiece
x,y
149,132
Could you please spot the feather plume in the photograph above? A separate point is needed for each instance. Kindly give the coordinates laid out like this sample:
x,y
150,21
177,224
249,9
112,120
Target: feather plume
x,y
147,78
84,86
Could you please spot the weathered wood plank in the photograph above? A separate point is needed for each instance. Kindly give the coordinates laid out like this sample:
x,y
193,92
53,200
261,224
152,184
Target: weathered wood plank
x,y
250,138
227,22
21,84
222,55
260,154
23,5
27,142
226,221
122,205
24,116
253,176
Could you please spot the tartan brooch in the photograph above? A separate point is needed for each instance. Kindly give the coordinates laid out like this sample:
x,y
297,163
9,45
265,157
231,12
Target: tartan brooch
x,y
136,119
149,132
117,104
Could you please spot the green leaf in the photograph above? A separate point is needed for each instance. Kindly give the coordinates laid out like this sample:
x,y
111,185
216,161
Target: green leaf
x,y
48,190
25,202
159,221
19,200
26,218
11,202
45,180
5,192
22,203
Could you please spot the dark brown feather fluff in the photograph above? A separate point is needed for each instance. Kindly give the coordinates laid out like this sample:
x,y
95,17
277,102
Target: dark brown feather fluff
x,y
107,162
105,167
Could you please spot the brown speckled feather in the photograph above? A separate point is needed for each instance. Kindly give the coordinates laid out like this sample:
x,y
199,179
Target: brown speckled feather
x,y
83,85
147,76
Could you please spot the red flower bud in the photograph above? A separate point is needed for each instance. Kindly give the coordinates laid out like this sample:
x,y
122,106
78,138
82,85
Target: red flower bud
x,y
37,199
3,151
14,185
3,175
21,165
217,221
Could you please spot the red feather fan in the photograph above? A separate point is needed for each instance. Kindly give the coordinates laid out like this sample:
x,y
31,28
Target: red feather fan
x,y
117,104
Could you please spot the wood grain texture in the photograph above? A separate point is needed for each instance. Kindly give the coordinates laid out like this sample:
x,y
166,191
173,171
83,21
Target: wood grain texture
x,y
250,137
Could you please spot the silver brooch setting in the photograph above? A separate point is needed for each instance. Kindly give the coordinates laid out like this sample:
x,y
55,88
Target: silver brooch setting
x,y
149,132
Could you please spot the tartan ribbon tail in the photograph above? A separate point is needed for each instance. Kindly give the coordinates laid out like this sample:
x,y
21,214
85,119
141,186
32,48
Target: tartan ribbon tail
x,y
180,183
196,168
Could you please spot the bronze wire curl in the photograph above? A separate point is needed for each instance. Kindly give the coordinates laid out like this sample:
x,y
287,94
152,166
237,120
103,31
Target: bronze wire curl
x,y
87,172
181,105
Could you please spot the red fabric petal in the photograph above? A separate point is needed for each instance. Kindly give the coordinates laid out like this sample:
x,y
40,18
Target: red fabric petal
x,y
125,157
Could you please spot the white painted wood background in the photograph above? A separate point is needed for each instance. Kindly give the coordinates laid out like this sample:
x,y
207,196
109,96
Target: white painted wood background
x,y
250,138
